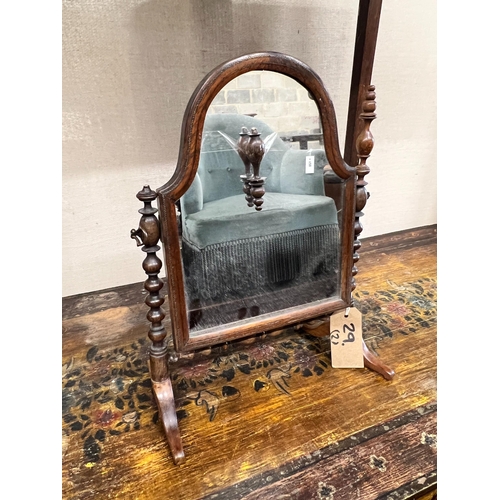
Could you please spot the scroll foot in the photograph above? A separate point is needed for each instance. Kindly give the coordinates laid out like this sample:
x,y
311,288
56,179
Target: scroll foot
x,y
374,363
164,396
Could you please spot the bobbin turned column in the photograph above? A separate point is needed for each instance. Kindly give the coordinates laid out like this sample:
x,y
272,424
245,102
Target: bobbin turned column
x,y
364,146
147,236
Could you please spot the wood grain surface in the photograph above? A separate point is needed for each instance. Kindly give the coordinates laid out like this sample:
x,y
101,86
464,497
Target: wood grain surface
x,y
262,419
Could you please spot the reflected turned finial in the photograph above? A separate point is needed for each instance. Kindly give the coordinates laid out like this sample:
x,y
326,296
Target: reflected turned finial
x,y
251,148
241,147
255,150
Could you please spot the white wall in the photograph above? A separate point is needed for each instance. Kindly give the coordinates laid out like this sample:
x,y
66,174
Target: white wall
x,y
130,66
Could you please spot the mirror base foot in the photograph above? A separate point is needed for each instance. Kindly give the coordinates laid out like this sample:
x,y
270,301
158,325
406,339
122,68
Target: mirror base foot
x,y
373,362
164,396
319,328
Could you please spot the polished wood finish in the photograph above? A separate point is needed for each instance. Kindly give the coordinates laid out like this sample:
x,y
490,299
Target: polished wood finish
x,y
164,397
251,149
187,165
364,146
334,188
319,435
241,146
148,236
362,67
375,364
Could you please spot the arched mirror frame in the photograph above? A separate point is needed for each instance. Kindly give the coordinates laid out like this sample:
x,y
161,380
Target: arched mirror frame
x,y
184,175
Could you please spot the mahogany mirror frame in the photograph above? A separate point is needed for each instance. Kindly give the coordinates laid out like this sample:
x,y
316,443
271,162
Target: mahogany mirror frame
x,y
187,165
358,146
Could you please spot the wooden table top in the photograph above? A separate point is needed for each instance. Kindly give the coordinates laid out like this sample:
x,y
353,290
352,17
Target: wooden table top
x,y
263,419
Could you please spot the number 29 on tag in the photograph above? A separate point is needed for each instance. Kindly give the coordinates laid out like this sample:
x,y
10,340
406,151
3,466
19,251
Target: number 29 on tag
x,y
346,339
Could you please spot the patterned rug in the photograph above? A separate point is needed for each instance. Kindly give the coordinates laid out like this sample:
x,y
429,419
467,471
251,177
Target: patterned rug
x,y
106,393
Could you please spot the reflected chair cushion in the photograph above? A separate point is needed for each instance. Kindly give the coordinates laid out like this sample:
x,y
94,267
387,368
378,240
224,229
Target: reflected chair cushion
x,y
230,219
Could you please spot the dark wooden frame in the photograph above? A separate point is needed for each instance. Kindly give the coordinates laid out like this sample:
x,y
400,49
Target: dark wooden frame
x,y
184,175
358,146
362,67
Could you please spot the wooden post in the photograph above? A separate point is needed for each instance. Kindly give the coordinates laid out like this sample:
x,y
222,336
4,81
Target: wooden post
x,y
364,54
364,146
147,236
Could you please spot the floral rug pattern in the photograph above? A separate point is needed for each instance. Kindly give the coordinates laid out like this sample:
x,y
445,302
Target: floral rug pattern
x,y
107,393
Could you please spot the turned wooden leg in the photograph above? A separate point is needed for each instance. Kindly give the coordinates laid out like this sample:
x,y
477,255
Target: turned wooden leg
x,y
364,146
148,236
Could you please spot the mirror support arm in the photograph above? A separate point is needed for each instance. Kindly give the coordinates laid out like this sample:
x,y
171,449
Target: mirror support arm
x,y
362,66
364,146
147,236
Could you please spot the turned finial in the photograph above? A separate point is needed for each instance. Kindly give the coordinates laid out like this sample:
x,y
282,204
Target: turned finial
x,y
251,149
255,150
364,141
241,148
146,194
148,232
364,146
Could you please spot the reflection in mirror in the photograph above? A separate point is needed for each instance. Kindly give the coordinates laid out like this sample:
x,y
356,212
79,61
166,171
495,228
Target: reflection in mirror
x,y
261,222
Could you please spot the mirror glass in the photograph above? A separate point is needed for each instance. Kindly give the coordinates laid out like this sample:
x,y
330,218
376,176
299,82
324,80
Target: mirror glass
x,y
261,222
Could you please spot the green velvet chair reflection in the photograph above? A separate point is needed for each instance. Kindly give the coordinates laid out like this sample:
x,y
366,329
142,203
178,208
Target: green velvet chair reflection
x,y
239,262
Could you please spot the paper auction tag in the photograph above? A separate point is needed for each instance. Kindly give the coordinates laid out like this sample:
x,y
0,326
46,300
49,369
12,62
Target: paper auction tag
x,y
346,339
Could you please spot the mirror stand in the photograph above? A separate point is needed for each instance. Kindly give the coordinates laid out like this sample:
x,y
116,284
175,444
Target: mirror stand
x,y
343,183
148,236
